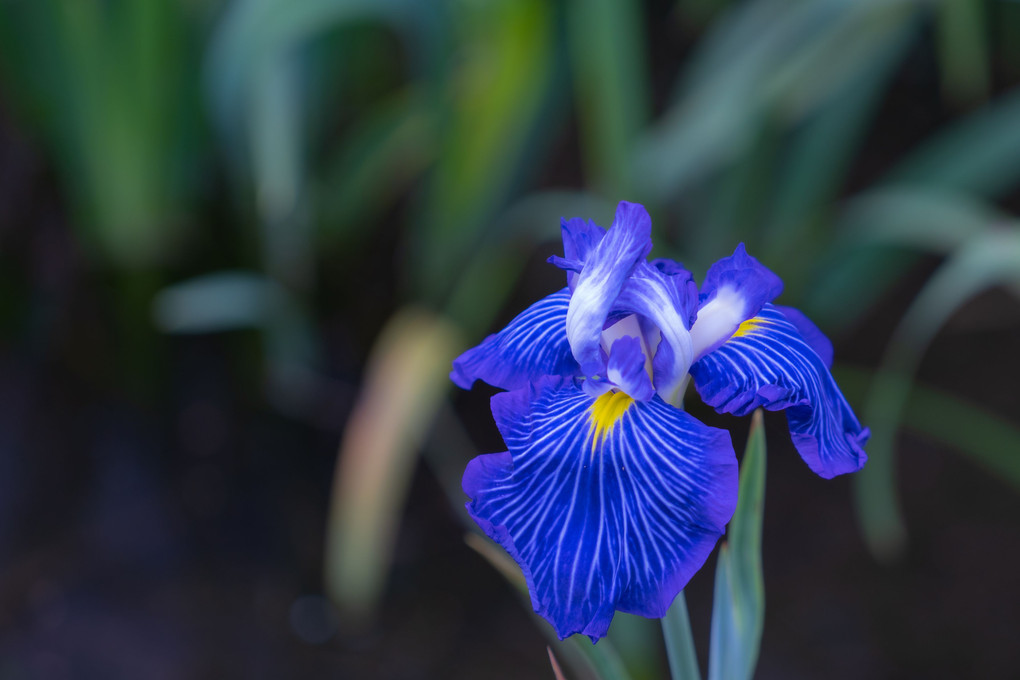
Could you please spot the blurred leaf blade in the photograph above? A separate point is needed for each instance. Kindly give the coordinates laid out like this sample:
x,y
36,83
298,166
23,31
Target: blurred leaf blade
x,y
767,56
490,118
106,94
382,155
486,279
991,441
557,671
821,152
992,259
881,232
217,302
606,44
979,155
738,610
404,385
963,50
251,31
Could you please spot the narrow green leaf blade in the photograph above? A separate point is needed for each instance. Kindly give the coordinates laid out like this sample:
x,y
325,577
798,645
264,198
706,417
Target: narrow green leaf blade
x,y
738,611
676,629
880,231
223,301
404,387
989,440
490,123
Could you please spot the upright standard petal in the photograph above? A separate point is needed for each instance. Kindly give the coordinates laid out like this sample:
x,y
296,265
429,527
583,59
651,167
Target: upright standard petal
x,y
735,289
533,345
607,504
605,270
767,363
579,238
665,297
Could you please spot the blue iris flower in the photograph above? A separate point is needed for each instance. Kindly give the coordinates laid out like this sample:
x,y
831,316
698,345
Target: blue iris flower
x,y
610,496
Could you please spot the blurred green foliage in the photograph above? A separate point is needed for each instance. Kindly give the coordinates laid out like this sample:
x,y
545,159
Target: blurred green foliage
x,y
337,123
110,89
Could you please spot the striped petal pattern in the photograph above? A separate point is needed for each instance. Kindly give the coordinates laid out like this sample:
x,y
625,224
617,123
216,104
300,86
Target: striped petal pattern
x,y
533,345
667,301
606,269
768,363
605,505
812,335
735,289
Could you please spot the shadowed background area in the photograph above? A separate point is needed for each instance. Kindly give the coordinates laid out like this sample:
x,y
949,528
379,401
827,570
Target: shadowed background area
x,y
242,240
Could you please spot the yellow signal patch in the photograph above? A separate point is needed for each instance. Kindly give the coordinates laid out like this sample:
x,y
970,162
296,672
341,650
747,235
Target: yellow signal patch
x,y
604,413
750,326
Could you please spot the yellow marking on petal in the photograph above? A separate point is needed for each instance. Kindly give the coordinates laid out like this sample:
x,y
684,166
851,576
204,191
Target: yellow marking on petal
x,y
604,413
750,326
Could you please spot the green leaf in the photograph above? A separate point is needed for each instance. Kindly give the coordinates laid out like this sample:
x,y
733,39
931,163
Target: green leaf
x,y
768,57
603,657
389,148
676,629
962,41
404,386
276,119
992,259
880,234
252,32
920,217
738,610
990,441
978,155
606,42
109,86
487,133
636,639
218,302
818,155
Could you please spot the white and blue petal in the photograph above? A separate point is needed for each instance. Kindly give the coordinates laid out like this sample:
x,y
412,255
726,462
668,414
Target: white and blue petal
x,y
533,345
607,504
627,368
606,268
665,295
768,363
735,289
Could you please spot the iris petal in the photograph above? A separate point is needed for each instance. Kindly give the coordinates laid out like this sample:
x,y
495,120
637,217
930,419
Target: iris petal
x,y
623,524
626,369
579,238
814,337
666,299
606,268
768,363
534,344
735,289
